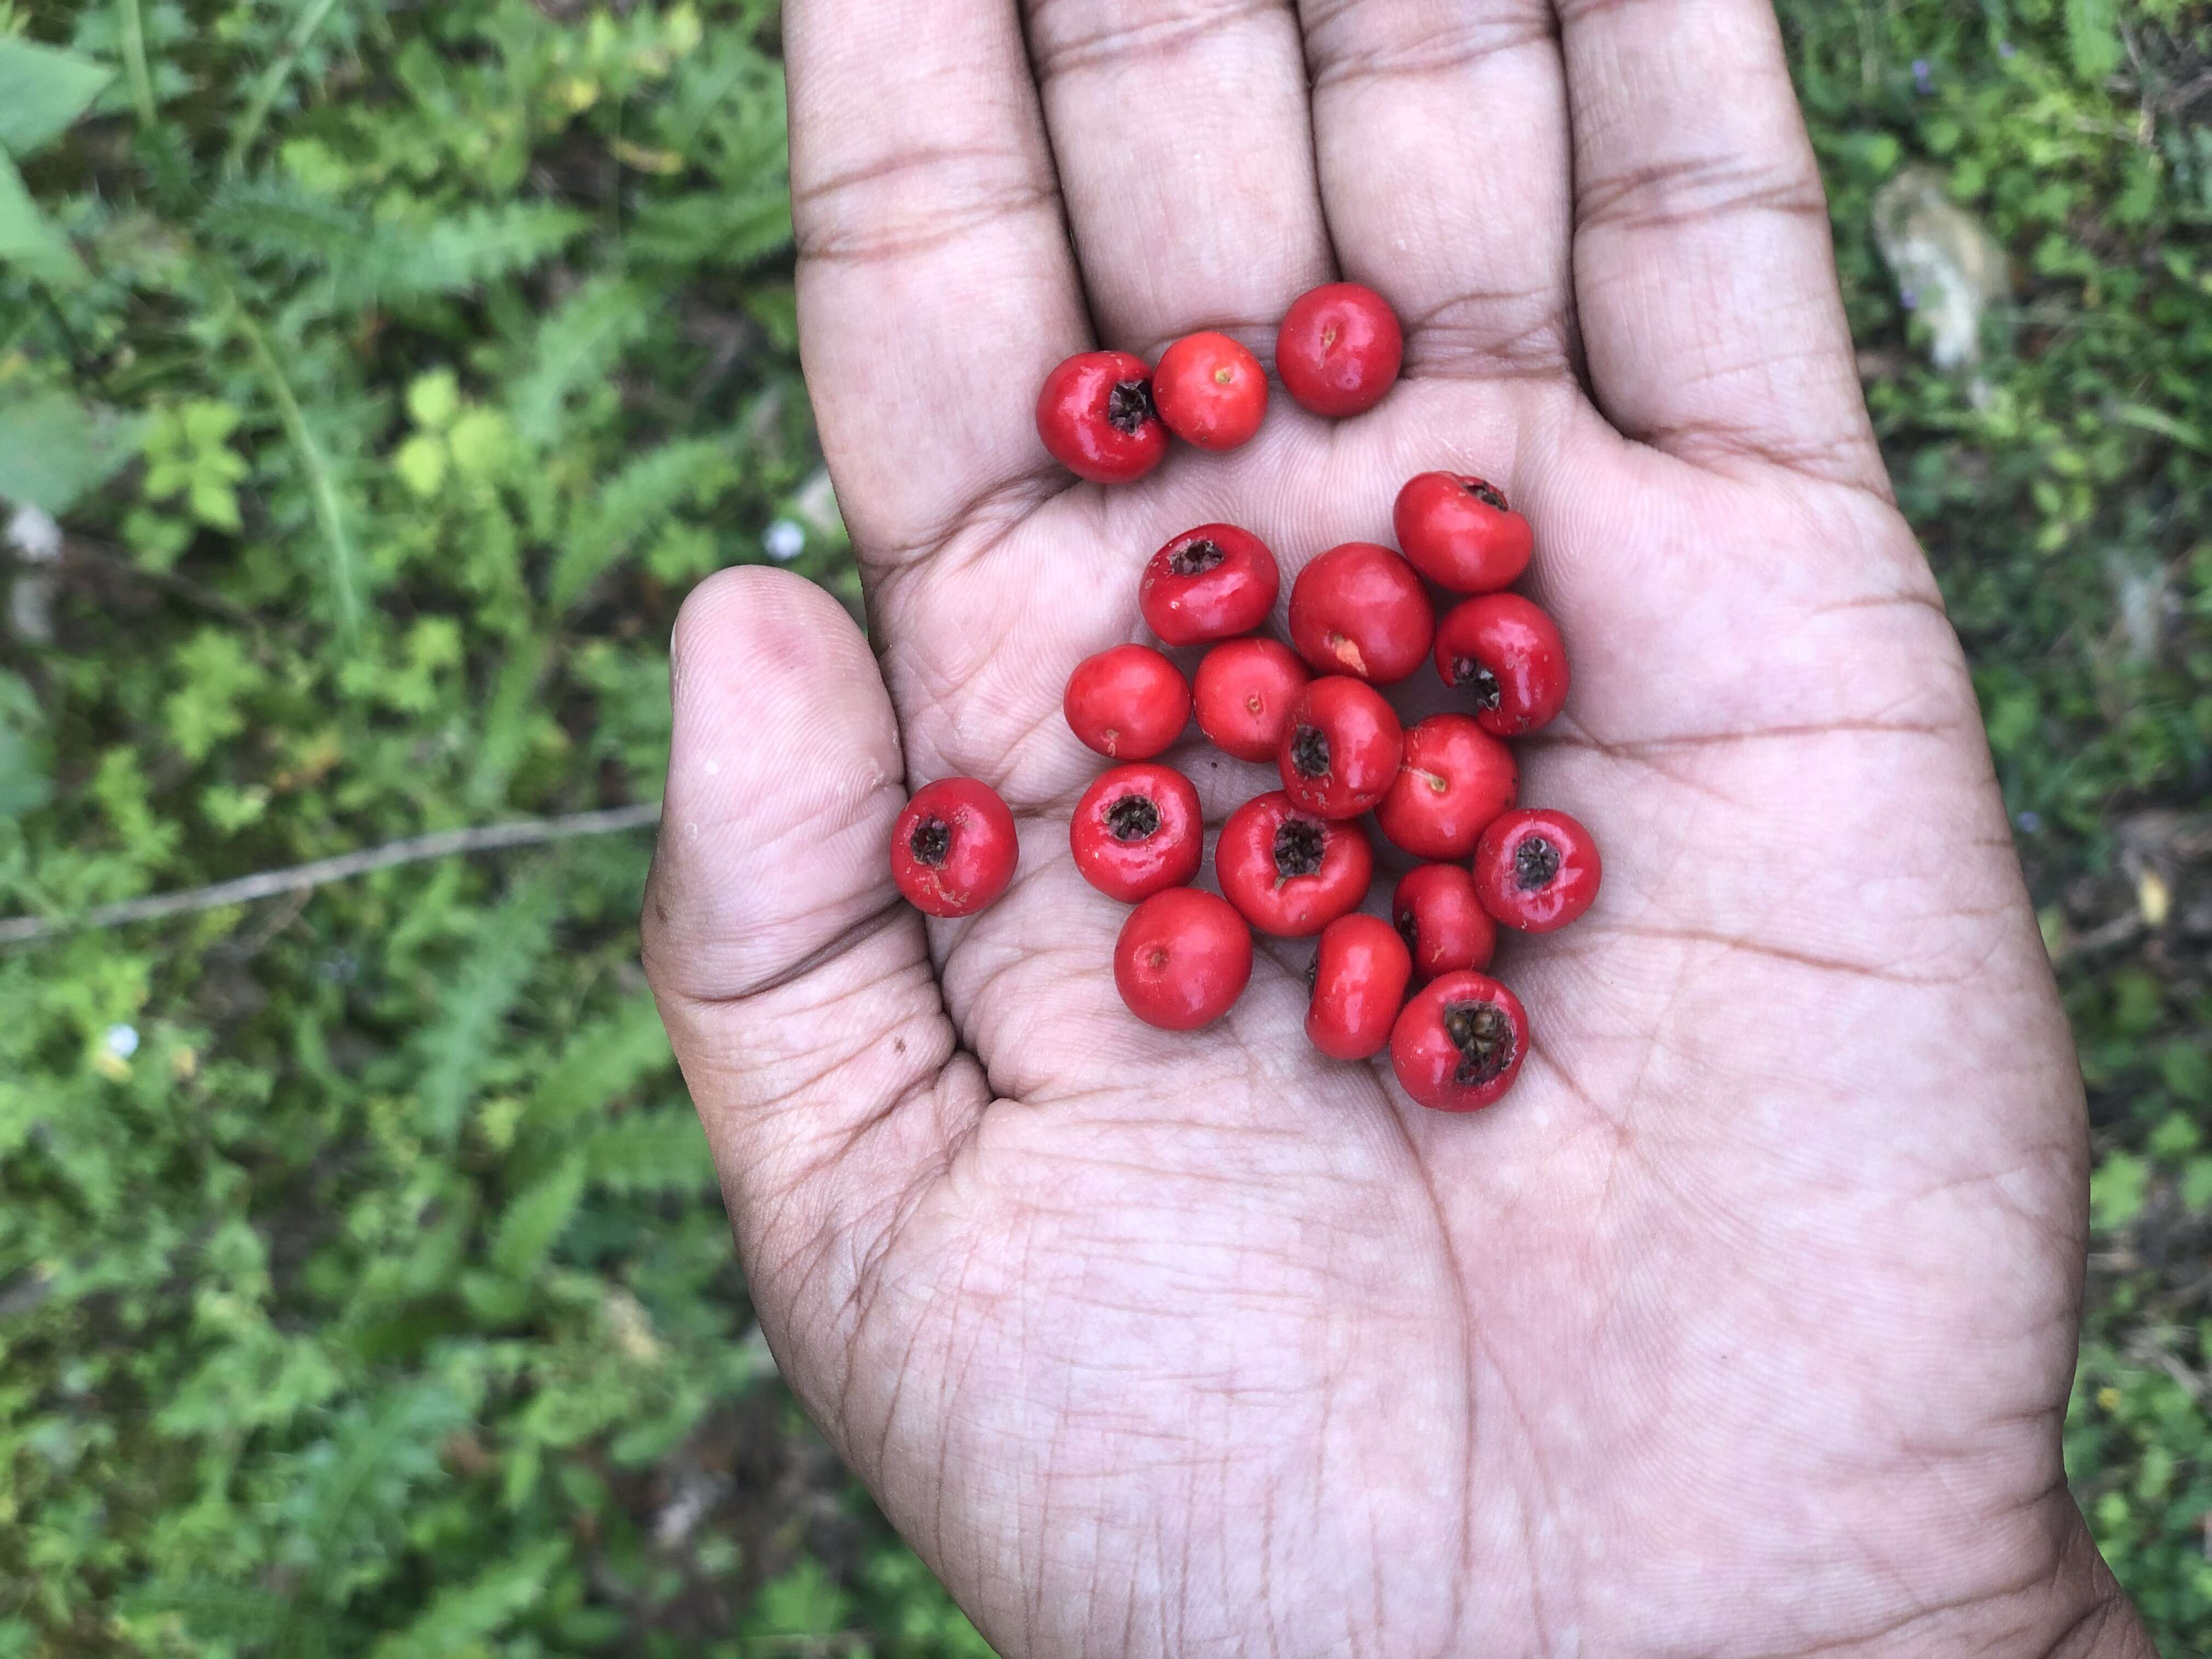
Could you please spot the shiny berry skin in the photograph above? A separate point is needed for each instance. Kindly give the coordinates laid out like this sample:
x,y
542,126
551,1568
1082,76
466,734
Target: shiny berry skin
x,y
1289,872
1360,609
1212,583
1339,350
1212,392
1128,703
1459,1042
953,850
1459,532
1137,830
1536,871
1340,754
1509,655
1242,695
1442,920
1453,778
1359,979
1096,418
1183,958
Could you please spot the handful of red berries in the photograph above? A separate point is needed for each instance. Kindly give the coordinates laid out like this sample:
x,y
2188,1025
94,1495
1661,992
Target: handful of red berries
x,y
1296,862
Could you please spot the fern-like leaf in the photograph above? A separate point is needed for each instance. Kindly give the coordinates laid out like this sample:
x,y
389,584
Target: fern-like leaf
x,y
515,939
580,343
634,502
658,1151
533,1222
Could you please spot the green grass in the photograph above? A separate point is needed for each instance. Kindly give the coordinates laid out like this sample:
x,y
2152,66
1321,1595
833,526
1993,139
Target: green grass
x,y
394,370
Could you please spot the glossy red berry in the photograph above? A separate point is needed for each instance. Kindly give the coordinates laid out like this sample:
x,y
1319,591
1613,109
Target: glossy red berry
x,y
1509,655
1137,830
1339,350
1459,1042
1360,609
1289,872
1096,418
1453,778
1212,583
1242,695
1340,754
1460,533
953,850
1183,958
1536,871
1211,390
1442,920
1128,703
1359,979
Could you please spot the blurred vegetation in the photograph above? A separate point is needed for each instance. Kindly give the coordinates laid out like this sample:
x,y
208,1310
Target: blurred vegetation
x,y
390,372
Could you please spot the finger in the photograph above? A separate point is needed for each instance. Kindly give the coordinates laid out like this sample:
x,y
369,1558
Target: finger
x,y
933,259
798,991
1441,130
1185,151
1704,273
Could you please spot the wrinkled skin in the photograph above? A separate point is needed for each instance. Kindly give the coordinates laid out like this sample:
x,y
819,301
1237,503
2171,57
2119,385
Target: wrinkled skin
x,y
1744,1325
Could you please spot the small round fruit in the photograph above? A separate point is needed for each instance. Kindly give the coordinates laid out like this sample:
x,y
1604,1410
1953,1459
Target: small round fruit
x,y
1340,753
1128,703
1509,654
953,850
1442,920
1212,583
1242,695
1183,958
1460,533
1211,390
1339,350
1096,418
1289,872
1536,871
1137,830
1360,609
1453,778
1359,979
1459,1044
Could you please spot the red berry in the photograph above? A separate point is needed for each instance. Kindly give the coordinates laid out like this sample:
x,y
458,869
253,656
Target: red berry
x,y
1359,978
1340,753
1443,921
1509,654
1288,872
1536,871
1095,416
1212,583
1183,958
1339,350
1129,704
1453,779
1211,391
1460,533
953,849
1242,695
1459,1044
1136,830
1360,609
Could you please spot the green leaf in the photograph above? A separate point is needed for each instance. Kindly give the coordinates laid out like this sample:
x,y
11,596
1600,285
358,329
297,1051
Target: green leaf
x,y
28,240
513,940
25,785
458,1619
597,1065
55,450
531,1225
42,90
2093,37
2117,1190
577,344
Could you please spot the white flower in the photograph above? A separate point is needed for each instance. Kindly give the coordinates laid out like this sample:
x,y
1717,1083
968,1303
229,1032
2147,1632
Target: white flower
x,y
785,540
34,535
121,1041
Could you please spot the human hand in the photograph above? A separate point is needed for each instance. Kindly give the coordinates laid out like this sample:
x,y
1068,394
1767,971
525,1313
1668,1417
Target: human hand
x,y
1744,1325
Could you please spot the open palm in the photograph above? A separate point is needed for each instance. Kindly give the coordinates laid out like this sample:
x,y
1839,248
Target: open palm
x,y
1744,1325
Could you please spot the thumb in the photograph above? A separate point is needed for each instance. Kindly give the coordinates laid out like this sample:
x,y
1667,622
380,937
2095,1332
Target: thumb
x,y
796,987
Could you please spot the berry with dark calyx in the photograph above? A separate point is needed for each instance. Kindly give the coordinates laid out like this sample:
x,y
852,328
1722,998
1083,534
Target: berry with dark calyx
x,y
1453,779
1289,872
1441,919
954,848
1212,392
1459,1043
1243,694
1359,977
1506,654
1137,830
1359,609
1128,703
1183,958
1459,532
1096,418
1536,871
1212,583
1339,350
1341,750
